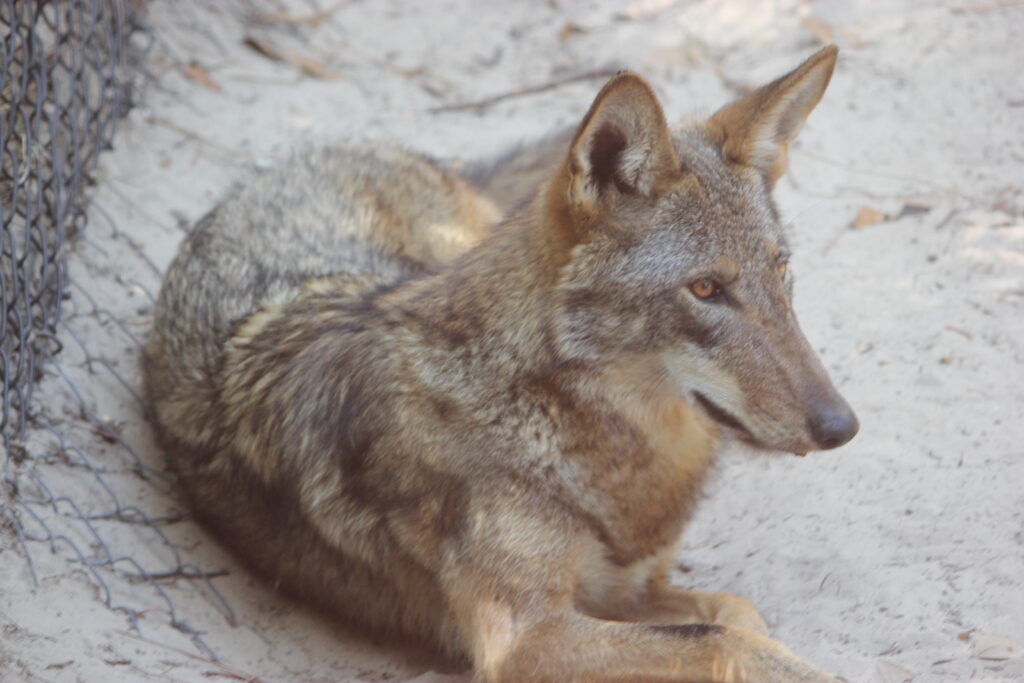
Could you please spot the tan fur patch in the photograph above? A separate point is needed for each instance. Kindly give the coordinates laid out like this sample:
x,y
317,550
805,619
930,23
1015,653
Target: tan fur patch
x,y
676,430
254,324
497,634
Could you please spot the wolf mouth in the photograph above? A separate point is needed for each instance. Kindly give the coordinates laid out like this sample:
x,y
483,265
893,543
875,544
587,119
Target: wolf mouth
x,y
722,416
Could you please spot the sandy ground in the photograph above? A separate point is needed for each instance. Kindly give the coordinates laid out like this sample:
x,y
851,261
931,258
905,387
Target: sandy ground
x,y
897,558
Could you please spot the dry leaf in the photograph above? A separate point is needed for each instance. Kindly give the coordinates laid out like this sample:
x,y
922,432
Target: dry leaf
x,y
996,648
821,30
313,20
867,216
198,73
568,31
887,672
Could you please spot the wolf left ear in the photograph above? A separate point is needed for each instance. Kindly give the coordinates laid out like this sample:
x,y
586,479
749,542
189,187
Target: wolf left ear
x,y
756,129
622,147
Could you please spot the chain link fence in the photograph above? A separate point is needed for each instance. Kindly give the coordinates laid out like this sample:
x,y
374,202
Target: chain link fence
x,y
70,70
65,80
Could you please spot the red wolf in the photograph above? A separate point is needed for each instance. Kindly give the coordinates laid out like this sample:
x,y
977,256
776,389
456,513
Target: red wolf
x,y
488,437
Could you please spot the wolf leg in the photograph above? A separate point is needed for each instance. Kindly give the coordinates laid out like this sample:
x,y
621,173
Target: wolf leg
x,y
511,589
572,647
672,605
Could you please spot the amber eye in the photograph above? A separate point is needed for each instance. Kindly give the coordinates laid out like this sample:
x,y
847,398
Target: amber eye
x,y
704,288
782,268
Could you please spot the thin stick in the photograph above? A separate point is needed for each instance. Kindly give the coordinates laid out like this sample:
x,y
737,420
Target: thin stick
x,y
241,675
533,90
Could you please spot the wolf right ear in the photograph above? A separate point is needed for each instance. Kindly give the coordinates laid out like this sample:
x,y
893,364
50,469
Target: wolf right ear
x,y
756,130
622,147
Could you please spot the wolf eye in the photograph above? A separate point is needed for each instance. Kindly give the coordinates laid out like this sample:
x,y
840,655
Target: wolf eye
x,y
782,269
704,288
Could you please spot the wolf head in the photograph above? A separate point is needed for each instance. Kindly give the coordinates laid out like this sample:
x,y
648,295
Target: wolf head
x,y
675,251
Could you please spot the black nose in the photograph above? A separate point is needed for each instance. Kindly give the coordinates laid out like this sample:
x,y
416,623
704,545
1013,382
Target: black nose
x,y
833,426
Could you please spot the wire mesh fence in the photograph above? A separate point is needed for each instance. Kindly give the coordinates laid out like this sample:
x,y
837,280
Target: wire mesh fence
x,y
65,80
70,69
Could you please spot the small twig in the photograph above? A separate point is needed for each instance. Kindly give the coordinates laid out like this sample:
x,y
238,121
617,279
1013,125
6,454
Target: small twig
x,y
241,675
532,90
834,241
306,65
136,207
960,331
177,574
195,71
949,216
872,172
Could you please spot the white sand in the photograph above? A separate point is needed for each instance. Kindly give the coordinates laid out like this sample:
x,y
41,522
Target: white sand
x,y
899,557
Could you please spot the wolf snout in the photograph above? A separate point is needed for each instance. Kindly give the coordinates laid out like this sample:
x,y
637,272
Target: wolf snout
x,y
833,425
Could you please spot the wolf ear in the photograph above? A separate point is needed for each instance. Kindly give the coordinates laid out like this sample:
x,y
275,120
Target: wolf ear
x,y
623,146
756,129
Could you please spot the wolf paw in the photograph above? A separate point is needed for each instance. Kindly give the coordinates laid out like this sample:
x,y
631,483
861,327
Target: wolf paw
x,y
736,612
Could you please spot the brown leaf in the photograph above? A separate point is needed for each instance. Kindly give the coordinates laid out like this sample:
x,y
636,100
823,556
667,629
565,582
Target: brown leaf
x,y
198,73
824,32
867,216
568,31
313,20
